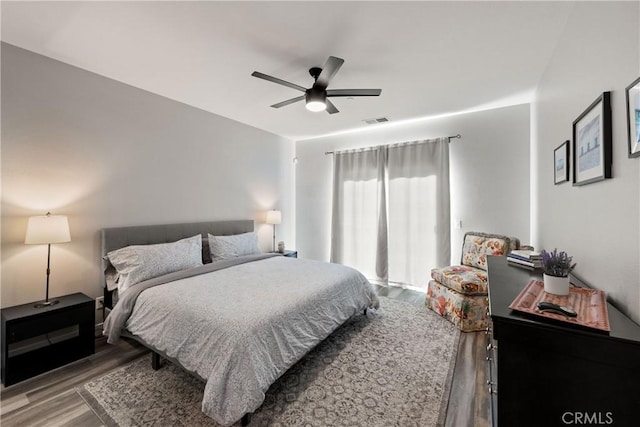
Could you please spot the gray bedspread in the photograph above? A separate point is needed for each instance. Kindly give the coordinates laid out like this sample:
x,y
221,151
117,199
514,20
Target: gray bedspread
x,y
242,325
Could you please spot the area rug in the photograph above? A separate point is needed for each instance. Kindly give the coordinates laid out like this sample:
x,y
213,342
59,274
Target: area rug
x,y
392,367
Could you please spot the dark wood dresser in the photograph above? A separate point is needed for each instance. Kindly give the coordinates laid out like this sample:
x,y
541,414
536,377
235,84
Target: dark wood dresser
x,y
549,374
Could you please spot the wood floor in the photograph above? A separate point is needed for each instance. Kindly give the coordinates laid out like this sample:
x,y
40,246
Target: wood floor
x,y
50,399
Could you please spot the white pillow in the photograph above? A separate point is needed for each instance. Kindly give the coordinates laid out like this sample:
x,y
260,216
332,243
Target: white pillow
x,y
225,247
137,263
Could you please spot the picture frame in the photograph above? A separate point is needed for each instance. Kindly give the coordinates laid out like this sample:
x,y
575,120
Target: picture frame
x,y
633,117
592,149
561,163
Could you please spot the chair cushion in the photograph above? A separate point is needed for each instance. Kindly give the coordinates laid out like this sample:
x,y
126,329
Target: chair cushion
x,y
477,246
462,278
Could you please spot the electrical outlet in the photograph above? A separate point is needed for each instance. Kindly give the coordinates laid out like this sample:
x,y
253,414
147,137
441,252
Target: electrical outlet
x,y
99,303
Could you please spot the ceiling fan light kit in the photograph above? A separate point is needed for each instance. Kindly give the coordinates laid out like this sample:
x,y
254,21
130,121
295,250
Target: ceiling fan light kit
x,y
316,100
316,96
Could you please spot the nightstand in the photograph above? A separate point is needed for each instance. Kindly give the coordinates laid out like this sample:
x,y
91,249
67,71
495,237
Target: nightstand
x,y
36,340
290,254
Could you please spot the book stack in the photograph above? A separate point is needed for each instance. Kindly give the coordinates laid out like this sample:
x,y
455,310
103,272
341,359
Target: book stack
x,y
525,258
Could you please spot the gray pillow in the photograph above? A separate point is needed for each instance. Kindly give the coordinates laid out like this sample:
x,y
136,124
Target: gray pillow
x,y
225,247
138,263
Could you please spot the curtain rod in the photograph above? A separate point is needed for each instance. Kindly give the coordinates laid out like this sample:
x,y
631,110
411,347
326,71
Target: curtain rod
x,y
457,136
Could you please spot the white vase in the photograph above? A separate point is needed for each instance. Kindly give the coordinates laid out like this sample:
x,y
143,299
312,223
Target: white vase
x,y
556,285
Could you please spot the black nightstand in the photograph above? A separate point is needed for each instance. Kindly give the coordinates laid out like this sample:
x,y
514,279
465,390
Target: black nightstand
x,y
35,340
290,254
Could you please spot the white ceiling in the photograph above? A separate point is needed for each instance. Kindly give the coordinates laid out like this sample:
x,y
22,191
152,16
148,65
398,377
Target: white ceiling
x,y
429,58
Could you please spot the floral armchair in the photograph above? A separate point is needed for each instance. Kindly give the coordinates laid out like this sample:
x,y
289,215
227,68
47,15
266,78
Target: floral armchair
x,y
459,293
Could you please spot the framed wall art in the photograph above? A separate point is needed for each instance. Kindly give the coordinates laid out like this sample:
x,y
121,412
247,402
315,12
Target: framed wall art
x,y
633,117
592,142
561,163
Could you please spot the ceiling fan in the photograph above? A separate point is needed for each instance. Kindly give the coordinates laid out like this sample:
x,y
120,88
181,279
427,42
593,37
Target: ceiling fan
x,y
316,97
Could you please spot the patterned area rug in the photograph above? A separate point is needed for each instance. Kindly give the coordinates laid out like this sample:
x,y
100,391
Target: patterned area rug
x,y
391,367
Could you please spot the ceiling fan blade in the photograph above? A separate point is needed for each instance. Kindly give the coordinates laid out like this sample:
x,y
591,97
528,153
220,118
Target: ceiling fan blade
x,y
331,109
288,101
277,80
329,69
354,92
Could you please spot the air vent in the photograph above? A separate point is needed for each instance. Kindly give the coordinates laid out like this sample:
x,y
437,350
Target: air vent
x,y
377,120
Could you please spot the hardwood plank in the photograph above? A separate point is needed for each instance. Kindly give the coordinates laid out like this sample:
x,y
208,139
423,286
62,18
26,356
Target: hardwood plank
x,y
394,292
415,297
15,402
383,291
482,406
461,399
469,398
64,409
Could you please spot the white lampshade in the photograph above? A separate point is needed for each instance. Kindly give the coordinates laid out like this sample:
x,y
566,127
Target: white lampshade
x,y
273,217
44,229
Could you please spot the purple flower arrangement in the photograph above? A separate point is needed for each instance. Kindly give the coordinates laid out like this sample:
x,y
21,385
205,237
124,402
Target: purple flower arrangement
x,y
556,263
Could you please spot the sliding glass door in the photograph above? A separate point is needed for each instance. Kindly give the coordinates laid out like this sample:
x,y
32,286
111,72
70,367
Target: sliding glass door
x,y
391,211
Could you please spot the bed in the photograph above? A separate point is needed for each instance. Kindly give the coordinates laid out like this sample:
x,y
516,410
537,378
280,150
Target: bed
x,y
238,322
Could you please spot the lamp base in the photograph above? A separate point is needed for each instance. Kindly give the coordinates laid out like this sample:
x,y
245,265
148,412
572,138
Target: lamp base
x,y
44,304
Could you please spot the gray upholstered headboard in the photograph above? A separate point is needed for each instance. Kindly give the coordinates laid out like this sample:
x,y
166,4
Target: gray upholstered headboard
x,y
119,237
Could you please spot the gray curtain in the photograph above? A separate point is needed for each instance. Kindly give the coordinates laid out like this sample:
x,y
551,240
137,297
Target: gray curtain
x,y
391,211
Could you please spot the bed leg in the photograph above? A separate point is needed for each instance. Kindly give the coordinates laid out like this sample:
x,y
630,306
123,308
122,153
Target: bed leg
x,y
245,420
155,361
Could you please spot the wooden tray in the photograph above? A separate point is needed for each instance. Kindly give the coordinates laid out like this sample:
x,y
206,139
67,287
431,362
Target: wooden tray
x,y
589,304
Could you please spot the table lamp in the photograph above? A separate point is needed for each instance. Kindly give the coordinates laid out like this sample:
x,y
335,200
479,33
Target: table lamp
x,y
274,217
47,229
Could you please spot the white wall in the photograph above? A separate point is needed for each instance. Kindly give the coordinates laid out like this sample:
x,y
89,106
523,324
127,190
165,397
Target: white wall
x,y
107,154
489,170
599,224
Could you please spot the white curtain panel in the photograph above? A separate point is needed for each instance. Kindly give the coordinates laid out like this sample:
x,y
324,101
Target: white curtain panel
x,y
391,211
358,224
419,210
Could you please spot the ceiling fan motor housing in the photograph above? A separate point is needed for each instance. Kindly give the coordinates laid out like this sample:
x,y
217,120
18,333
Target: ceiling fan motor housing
x,y
316,94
